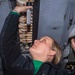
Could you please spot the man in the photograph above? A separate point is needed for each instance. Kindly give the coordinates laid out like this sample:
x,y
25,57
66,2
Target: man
x,y
45,52
69,52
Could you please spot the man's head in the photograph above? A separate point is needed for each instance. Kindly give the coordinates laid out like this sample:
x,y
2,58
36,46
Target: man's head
x,y
46,50
71,36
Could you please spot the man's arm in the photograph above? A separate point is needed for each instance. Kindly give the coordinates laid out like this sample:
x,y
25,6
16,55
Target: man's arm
x,y
10,47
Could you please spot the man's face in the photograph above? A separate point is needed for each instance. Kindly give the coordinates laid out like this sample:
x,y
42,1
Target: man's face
x,y
42,49
73,43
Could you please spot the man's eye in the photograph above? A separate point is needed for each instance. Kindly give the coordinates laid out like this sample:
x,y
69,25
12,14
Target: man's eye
x,y
44,40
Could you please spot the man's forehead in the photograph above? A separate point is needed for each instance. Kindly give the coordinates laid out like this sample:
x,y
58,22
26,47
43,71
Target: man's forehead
x,y
47,38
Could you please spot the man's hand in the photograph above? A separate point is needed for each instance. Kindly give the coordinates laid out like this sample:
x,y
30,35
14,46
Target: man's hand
x,y
20,9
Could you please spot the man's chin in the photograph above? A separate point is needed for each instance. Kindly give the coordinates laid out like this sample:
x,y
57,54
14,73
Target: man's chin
x,y
31,49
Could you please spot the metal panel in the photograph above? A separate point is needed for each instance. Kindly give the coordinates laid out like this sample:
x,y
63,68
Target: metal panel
x,y
51,18
4,10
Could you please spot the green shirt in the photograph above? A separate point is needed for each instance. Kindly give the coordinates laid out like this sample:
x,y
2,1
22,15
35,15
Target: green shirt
x,y
12,12
37,65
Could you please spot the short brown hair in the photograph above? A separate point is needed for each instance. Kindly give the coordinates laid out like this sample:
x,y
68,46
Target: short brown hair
x,y
58,55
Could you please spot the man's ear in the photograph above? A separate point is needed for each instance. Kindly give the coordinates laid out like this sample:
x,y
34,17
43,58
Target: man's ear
x,y
73,40
73,43
52,53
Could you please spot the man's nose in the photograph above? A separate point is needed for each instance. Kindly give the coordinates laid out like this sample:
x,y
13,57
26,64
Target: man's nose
x,y
36,42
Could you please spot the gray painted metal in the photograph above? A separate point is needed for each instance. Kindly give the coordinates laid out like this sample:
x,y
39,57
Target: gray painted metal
x,y
4,10
51,19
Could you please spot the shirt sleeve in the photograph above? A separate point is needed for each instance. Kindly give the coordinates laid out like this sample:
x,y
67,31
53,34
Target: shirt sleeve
x,y
9,46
